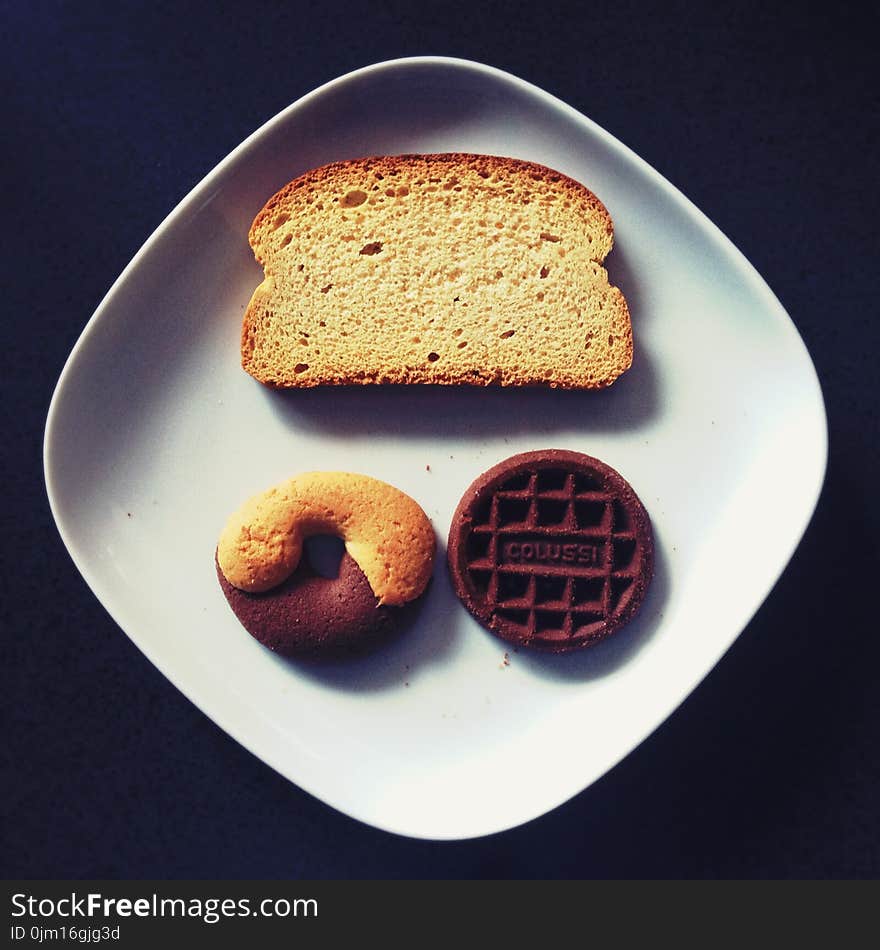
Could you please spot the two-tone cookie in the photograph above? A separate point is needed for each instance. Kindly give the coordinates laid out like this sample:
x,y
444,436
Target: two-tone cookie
x,y
283,603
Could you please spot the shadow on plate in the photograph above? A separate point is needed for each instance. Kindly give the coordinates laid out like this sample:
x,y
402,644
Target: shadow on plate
x,y
468,413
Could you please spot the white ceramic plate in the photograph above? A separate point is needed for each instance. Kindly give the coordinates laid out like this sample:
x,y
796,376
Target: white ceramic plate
x,y
155,435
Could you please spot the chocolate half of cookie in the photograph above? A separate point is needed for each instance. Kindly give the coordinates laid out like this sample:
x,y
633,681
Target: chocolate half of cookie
x,y
551,550
310,614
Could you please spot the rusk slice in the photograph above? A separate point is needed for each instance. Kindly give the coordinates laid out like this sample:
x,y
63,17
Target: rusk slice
x,y
453,268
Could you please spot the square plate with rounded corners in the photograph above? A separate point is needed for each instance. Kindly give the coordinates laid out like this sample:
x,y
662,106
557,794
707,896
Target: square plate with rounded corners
x,y
155,435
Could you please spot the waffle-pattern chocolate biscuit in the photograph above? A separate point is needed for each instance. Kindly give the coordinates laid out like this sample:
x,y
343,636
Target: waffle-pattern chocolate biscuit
x,y
551,550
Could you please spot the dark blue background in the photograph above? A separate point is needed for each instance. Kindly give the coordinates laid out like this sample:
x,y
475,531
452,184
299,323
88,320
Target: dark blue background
x,y
766,118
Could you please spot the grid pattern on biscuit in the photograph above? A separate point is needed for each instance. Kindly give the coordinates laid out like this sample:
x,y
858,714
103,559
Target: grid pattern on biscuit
x,y
549,599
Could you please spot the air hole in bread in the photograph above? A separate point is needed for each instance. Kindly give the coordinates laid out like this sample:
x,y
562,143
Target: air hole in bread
x,y
280,220
326,288
286,239
300,367
353,198
374,247
547,236
545,270
433,357
507,334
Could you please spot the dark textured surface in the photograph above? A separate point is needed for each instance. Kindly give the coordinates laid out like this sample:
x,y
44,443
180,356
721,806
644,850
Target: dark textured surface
x,y
765,117
551,550
314,613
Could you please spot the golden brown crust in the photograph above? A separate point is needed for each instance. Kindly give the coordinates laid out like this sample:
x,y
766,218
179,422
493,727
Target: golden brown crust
x,y
385,531
411,161
447,268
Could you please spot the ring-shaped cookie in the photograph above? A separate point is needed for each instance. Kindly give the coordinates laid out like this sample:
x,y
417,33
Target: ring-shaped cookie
x,y
383,529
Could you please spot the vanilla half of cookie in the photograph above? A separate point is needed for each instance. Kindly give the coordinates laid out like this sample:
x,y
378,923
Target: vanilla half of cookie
x,y
385,531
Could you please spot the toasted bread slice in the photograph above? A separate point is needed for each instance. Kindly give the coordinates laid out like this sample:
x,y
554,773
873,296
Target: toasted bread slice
x,y
453,268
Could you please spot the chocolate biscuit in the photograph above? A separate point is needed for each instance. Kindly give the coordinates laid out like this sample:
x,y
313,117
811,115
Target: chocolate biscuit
x,y
551,550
